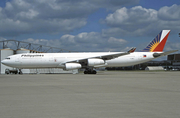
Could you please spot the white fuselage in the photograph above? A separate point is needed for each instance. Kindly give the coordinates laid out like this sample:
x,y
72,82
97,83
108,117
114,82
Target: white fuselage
x,y
56,60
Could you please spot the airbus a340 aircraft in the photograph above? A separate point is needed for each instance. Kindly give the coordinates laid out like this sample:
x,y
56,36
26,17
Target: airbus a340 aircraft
x,y
88,61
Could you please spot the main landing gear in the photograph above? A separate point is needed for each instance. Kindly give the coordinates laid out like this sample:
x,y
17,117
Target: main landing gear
x,y
90,71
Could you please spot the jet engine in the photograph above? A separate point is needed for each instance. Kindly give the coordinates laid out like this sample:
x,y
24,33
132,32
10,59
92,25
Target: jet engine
x,y
94,62
72,66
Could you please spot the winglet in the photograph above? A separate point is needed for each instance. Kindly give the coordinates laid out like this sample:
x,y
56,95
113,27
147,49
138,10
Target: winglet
x,y
157,45
132,50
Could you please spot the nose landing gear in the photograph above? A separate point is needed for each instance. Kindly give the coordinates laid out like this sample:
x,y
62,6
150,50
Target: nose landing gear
x,y
11,71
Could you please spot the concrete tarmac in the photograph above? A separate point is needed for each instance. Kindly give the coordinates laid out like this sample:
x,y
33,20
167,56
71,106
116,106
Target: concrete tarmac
x,y
119,94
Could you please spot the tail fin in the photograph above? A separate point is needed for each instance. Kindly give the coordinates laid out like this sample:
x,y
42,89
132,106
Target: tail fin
x,y
157,45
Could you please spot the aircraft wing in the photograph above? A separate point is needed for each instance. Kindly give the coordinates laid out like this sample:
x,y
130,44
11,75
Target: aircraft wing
x,y
111,56
104,57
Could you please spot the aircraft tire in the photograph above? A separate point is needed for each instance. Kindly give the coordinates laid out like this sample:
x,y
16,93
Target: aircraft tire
x,y
90,72
94,72
86,72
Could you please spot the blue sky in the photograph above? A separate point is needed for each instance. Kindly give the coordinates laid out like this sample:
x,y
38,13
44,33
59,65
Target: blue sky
x,y
90,25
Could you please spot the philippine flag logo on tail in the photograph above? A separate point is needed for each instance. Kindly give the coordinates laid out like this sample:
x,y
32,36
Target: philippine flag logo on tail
x,y
157,45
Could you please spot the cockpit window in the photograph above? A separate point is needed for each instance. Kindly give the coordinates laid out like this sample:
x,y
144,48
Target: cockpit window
x,y
8,58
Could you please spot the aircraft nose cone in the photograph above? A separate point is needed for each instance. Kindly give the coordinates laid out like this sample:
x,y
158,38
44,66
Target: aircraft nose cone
x,y
3,61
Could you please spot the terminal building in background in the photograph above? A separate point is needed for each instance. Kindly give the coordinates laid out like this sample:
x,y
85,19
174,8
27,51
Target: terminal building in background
x,y
175,60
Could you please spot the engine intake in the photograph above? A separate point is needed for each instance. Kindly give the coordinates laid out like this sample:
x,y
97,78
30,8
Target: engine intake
x,y
94,62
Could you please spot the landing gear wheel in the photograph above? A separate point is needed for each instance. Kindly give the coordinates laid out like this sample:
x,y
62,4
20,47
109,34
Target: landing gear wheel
x,y
90,72
85,72
7,71
20,72
94,72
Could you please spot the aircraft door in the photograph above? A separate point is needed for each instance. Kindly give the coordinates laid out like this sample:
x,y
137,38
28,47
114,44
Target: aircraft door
x,y
17,59
140,56
51,59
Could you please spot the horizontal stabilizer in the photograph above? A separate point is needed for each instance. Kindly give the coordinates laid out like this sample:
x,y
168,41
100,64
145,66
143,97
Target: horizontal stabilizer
x,y
156,55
